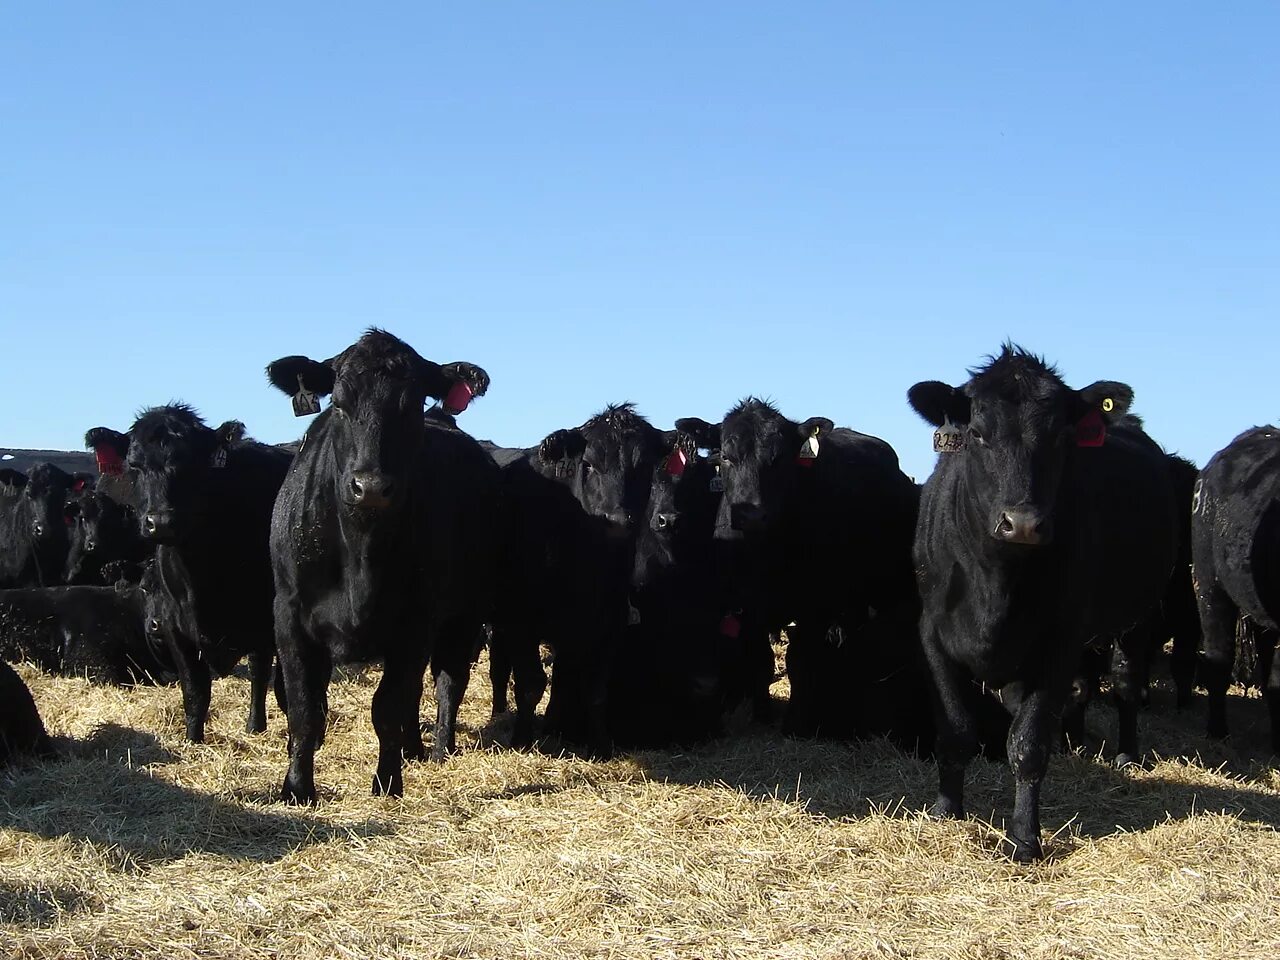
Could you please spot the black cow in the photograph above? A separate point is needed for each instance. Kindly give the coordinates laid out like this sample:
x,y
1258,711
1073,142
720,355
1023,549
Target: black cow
x,y
813,535
666,682
570,509
21,730
204,498
82,631
102,531
1044,524
1235,536
382,546
33,529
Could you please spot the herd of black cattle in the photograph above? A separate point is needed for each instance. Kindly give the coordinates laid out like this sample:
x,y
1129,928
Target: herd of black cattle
x,y
1055,542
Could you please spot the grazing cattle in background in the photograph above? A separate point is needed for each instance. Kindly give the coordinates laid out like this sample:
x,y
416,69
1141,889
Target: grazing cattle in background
x,y
570,508
814,530
382,546
1045,523
1235,536
33,529
204,498
21,730
82,631
102,531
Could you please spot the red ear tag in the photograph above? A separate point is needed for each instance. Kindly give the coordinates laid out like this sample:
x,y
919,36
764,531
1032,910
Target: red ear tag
x,y
1091,429
77,486
458,397
109,462
676,462
730,626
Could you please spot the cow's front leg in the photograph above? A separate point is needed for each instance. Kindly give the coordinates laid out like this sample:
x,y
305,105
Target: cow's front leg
x,y
1128,685
1218,616
389,712
197,687
305,668
1037,716
259,683
957,737
451,665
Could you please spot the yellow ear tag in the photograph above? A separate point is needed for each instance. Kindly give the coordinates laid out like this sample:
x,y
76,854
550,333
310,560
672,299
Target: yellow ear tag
x,y
1108,404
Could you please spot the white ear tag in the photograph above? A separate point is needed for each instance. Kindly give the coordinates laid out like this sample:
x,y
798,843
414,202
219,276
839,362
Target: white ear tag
x,y
809,449
948,438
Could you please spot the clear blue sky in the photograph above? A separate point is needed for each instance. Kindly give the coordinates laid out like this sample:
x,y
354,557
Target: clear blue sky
x,y
672,203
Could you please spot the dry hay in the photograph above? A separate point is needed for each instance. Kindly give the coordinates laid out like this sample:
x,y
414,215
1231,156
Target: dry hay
x,y
139,844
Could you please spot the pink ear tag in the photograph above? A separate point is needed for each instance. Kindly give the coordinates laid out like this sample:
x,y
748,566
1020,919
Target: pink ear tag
x,y
730,626
109,462
77,486
676,462
458,397
1091,429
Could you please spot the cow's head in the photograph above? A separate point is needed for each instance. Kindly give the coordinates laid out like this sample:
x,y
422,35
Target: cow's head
x,y
176,461
41,497
608,463
1015,423
761,458
379,386
102,530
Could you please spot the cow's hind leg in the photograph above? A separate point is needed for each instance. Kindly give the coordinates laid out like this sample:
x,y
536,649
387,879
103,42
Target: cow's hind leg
x,y
1128,687
1218,617
197,686
259,682
1269,668
451,666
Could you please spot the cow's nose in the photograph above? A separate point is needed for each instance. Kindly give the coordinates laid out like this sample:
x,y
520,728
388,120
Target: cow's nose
x,y
369,489
157,526
664,521
37,528
1025,525
89,546
747,516
153,625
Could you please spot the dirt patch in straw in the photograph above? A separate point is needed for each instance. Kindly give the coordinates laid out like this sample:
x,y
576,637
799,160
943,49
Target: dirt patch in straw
x,y
136,843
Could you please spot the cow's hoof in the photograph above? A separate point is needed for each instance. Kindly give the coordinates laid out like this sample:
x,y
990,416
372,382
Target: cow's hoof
x,y
1125,760
1026,851
298,796
392,786
1218,731
944,808
195,734
255,726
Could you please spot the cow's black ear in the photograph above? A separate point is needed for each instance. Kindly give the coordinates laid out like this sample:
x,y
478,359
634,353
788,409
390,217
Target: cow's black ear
x,y
12,482
705,435
455,384
561,445
1111,398
104,437
292,375
938,402
233,431
816,427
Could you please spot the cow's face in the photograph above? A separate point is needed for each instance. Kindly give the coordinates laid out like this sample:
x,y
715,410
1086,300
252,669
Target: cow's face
x,y
41,506
379,386
101,529
176,462
761,456
1018,422
608,463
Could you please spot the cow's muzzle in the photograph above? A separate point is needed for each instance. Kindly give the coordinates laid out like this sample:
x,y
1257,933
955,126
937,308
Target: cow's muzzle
x,y
370,489
1025,525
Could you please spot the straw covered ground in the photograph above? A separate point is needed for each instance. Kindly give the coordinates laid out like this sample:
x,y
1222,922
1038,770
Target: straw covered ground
x,y
139,844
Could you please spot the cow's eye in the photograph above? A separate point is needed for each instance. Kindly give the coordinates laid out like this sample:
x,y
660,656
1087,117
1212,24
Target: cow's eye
x,y
976,436
587,468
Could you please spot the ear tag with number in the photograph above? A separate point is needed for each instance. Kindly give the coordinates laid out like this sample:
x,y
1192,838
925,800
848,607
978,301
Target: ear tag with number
x,y
305,402
1091,429
219,458
948,438
677,462
730,626
717,482
458,397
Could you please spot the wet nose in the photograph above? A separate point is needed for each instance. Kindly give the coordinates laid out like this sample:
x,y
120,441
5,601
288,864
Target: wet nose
x,y
157,526
370,489
89,546
664,521
1022,525
153,626
37,529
